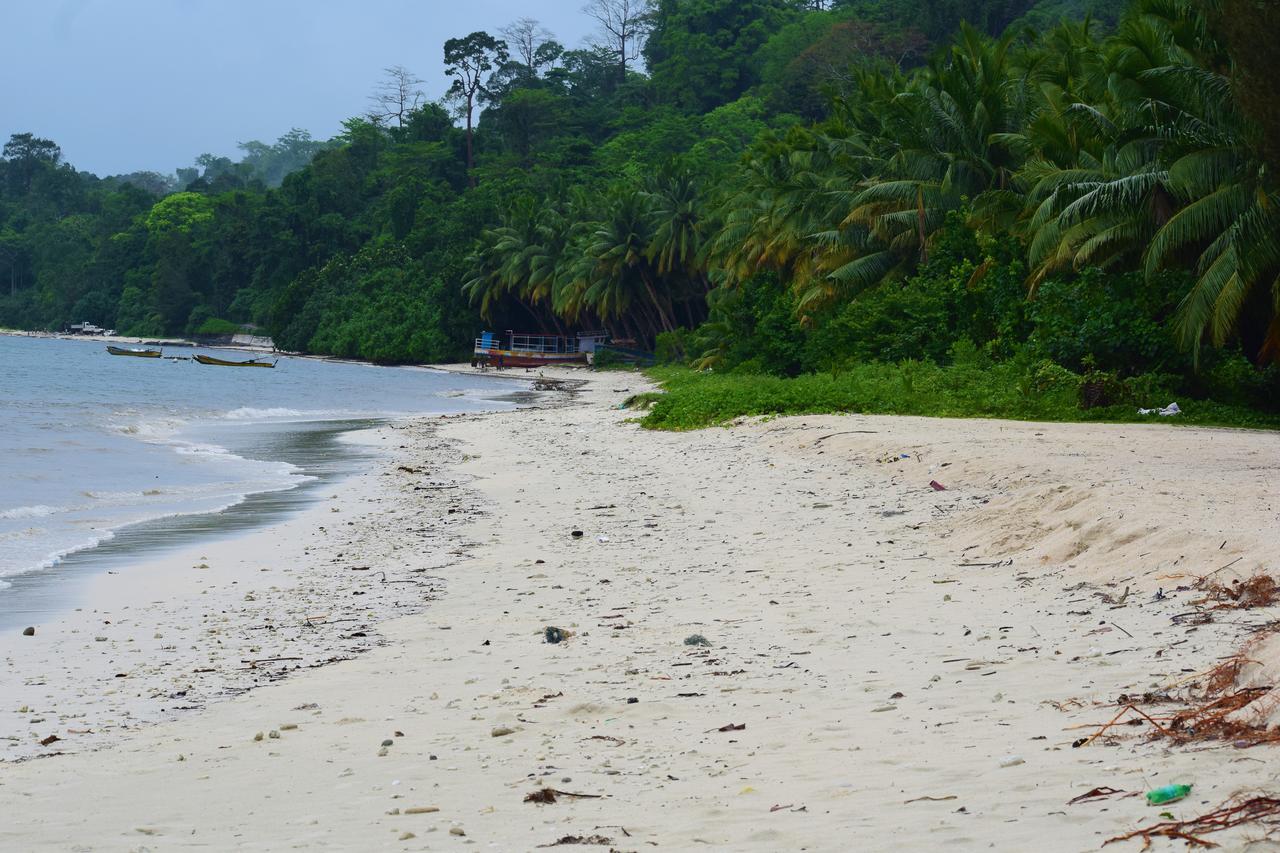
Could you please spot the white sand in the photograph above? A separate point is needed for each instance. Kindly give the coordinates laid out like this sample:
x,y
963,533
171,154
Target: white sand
x,y
826,582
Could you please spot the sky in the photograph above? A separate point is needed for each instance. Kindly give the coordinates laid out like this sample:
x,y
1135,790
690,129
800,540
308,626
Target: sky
x,y
136,85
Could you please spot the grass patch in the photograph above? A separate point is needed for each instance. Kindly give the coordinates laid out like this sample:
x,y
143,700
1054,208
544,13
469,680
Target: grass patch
x,y
643,402
1041,392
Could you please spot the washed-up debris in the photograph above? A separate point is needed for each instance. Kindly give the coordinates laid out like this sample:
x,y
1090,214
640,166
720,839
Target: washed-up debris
x,y
1168,411
577,534
29,632
45,741
1167,794
696,640
1098,794
556,635
579,839
1233,813
1127,709
1258,591
1213,721
936,486
732,727
550,795
929,799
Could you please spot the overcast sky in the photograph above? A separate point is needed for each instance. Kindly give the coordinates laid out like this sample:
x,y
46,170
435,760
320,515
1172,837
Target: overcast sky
x,y
130,85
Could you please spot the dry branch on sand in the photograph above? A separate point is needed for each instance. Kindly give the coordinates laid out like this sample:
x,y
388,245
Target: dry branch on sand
x,y
1234,812
1261,590
1218,704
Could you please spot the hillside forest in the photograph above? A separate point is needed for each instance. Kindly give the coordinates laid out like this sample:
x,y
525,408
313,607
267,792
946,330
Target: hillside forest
x,y
764,187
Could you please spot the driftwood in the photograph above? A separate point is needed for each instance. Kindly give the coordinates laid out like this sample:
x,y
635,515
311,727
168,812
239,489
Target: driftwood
x,y
550,795
1226,816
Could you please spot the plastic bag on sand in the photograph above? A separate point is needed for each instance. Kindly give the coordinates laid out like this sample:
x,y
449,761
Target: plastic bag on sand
x,y
1171,409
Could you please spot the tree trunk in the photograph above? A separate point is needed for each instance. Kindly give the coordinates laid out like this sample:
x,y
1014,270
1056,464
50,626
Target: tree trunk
x,y
920,223
689,315
471,178
627,328
657,303
538,321
653,315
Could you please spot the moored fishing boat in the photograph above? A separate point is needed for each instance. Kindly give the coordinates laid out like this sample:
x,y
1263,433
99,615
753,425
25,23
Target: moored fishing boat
x,y
136,353
218,362
524,350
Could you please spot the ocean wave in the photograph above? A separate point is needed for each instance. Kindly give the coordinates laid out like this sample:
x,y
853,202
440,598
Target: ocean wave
x,y
248,413
36,511
52,559
215,504
111,496
155,428
193,449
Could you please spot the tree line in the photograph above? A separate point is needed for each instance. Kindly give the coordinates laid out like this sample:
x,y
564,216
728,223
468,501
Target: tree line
x,y
765,185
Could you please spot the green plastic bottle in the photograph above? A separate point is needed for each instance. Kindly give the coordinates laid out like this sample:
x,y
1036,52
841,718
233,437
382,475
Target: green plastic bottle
x,y
1167,794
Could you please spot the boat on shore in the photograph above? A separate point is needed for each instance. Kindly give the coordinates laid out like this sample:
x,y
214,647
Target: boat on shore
x,y
136,353
516,349
218,362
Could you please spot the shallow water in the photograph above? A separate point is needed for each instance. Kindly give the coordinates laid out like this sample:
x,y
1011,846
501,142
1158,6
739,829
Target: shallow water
x,y
103,456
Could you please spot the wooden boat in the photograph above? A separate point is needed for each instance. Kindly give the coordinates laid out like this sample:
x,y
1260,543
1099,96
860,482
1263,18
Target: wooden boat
x,y
218,362
136,353
524,350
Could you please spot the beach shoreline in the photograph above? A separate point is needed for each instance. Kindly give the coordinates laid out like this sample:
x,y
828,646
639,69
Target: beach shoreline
x,y
130,654
884,662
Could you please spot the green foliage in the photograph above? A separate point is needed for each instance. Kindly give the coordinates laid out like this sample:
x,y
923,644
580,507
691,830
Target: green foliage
x,y
701,52
695,400
212,326
888,190
1121,322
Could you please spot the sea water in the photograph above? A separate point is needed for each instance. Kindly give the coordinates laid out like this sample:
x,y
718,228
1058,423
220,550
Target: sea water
x,y
95,446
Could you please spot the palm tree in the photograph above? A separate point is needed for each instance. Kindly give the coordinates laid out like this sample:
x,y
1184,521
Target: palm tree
x,y
619,247
1176,185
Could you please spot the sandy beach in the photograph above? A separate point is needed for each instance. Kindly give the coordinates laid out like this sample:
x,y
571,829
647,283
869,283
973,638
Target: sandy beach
x,y
774,636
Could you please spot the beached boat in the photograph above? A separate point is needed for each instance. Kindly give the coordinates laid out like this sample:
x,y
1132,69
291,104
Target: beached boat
x,y
218,362
523,350
136,353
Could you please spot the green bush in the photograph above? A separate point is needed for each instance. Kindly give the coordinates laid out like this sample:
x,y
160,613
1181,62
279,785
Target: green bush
x,y
1011,389
215,326
673,347
1121,322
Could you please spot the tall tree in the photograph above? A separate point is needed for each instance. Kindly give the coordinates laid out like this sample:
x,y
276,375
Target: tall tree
x,y
526,38
469,61
622,25
701,53
396,96
1249,27
26,154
